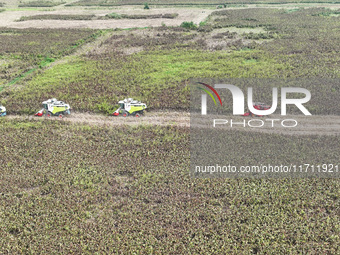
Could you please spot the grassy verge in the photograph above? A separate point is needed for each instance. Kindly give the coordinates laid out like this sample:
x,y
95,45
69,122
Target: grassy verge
x,y
39,50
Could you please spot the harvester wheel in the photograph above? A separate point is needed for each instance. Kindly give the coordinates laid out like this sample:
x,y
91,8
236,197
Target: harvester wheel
x,y
125,114
138,114
60,115
49,114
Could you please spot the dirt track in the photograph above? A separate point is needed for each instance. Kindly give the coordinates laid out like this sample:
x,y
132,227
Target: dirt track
x,y
307,125
150,118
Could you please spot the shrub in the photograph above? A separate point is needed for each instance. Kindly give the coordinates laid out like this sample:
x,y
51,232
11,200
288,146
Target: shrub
x,y
114,15
188,25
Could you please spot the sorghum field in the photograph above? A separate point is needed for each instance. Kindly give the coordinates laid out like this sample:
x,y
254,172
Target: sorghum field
x,y
23,52
80,189
73,187
144,63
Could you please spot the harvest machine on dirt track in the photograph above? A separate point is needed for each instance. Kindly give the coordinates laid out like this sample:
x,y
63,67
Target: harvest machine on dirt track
x,y
128,107
2,111
257,106
53,107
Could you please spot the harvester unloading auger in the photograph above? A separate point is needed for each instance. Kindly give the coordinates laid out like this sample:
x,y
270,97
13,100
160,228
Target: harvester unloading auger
x,y
2,111
53,107
129,106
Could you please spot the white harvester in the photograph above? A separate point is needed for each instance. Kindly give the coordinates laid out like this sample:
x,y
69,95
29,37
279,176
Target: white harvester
x,y
2,111
130,106
53,107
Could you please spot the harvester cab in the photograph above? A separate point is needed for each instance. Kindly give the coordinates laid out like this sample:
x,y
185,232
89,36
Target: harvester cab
x,y
130,106
2,111
258,106
53,107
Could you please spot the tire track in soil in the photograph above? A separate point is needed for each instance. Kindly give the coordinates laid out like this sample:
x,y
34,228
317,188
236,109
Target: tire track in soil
x,y
307,125
159,118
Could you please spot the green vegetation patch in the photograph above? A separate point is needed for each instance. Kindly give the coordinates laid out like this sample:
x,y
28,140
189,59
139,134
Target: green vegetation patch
x,y
24,50
158,78
188,25
328,13
291,10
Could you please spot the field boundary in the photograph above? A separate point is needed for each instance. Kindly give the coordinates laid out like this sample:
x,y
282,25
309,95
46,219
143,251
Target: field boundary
x,y
327,125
